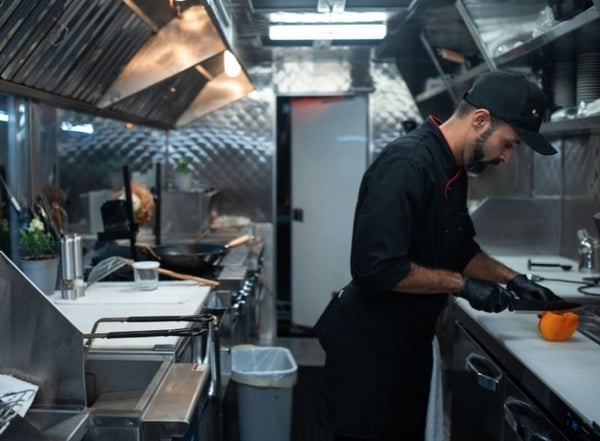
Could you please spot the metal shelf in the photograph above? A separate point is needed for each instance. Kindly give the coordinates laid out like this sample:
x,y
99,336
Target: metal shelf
x,y
580,33
561,29
580,126
457,80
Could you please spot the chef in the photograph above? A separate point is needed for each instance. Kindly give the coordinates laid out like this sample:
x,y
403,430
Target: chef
x,y
413,245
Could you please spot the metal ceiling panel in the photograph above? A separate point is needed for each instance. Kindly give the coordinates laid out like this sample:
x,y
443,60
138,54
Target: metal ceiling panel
x,y
130,59
181,44
165,101
105,55
219,92
26,27
157,12
69,47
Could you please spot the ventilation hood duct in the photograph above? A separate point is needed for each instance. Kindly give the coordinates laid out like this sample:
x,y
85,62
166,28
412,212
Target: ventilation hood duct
x,y
141,60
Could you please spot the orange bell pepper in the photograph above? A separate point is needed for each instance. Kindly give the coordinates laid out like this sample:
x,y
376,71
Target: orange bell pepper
x,y
558,326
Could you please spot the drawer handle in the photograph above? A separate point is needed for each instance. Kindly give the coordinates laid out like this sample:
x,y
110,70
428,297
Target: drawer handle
x,y
524,420
488,374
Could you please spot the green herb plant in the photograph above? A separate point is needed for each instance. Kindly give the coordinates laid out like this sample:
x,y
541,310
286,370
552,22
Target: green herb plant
x,y
183,165
35,243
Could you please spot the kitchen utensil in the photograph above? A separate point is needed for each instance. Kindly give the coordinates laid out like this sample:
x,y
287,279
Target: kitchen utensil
x,y
13,404
14,427
196,257
6,415
11,198
44,211
111,264
517,304
203,319
179,332
564,267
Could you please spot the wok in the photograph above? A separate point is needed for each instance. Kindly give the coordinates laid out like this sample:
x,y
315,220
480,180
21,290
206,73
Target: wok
x,y
197,257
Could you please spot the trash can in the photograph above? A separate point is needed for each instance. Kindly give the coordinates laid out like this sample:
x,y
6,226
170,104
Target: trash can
x,y
265,377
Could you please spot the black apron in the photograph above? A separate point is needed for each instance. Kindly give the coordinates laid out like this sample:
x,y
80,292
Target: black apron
x,y
378,363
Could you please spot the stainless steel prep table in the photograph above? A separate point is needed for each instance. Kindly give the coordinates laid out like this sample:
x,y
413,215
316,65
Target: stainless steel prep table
x,y
562,377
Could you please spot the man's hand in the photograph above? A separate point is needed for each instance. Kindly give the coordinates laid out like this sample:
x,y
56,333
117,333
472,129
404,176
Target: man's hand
x,y
484,295
527,289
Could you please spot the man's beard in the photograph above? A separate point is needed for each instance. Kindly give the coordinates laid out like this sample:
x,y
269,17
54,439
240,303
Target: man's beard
x,y
475,164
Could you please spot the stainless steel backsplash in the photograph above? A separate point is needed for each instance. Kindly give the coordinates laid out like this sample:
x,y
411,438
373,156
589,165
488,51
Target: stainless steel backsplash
x,y
536,204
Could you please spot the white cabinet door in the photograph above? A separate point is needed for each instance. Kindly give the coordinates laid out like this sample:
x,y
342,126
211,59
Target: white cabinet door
x,y
329,152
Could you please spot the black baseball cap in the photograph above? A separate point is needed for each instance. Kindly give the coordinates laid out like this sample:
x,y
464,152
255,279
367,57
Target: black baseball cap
x,y
516,101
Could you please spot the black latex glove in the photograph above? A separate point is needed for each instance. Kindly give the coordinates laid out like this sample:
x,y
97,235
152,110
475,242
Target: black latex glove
x,y
528,289
484,295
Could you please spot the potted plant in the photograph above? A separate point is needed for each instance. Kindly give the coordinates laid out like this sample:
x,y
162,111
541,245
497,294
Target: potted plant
x,y
182,176
39,255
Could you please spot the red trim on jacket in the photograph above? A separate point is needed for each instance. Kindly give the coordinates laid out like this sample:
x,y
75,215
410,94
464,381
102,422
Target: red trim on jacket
x,y
448,185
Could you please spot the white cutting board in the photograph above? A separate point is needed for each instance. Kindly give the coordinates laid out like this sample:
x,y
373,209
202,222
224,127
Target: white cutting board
x,y
125,292
119,299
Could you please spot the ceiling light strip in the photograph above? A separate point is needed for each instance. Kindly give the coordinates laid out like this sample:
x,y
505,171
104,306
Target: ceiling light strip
x,y
362,31
333,18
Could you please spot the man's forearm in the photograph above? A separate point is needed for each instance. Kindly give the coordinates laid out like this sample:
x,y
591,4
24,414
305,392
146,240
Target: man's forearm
x,y
483,266
421,280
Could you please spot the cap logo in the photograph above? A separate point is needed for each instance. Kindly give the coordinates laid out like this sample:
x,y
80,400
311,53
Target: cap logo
x,y
535,113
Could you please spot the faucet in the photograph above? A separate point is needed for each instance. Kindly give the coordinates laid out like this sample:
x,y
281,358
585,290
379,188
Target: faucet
x,y
589,251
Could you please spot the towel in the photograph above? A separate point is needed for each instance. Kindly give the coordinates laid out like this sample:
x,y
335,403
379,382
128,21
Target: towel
x,y
434,429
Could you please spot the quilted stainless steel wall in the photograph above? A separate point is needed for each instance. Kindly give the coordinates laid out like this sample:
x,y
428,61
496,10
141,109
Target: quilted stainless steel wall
x,y
231,149
581,189
390,103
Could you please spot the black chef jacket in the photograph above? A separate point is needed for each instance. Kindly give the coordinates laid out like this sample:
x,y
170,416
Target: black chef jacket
x,y
411,208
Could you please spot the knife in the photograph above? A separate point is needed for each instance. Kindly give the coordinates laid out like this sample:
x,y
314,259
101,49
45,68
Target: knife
x,y
517,305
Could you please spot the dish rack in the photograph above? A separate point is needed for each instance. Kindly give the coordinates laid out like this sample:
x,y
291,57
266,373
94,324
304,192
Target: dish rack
x,y
10,404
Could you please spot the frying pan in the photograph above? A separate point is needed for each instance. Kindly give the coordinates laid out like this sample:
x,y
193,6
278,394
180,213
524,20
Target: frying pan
x,y
195,257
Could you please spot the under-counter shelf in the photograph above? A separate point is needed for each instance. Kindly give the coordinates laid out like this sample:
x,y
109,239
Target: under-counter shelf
x,y
570,127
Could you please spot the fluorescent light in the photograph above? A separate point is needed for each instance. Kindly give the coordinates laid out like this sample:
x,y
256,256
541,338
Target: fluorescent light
x,y
85,128
335,17
231,65
3,116
362,31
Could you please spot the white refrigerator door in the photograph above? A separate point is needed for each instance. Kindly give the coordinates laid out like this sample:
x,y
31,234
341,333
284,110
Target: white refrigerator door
x,y
329,151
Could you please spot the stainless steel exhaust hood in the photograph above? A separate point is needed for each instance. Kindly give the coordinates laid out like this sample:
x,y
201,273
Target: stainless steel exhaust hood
x,y
157,62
